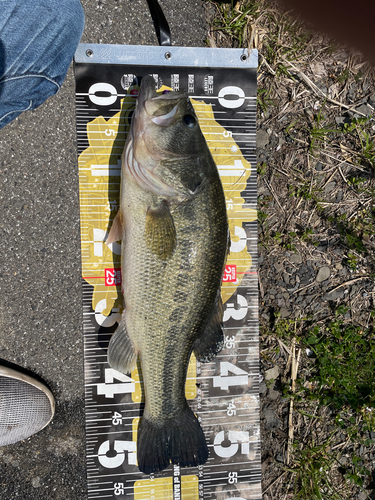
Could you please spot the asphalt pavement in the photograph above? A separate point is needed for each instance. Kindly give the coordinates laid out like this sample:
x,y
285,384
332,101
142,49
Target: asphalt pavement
x,y
40,266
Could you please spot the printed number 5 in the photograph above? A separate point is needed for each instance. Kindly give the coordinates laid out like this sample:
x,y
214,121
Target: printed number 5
x,y
118,488
235,438
119,447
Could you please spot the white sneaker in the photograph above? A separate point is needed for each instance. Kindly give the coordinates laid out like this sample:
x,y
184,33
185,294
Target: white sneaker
x,y
26,406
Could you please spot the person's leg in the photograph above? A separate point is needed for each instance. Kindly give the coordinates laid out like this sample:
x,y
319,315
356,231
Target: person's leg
x,y
38,39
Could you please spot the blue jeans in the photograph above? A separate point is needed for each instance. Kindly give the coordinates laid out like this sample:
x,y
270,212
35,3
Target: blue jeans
x,y
38,39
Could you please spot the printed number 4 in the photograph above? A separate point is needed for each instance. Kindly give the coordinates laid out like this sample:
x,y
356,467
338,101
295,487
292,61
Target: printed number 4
x,y
240,377
109,389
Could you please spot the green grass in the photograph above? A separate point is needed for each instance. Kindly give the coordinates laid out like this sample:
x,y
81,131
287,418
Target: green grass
x,y
344,365
312,466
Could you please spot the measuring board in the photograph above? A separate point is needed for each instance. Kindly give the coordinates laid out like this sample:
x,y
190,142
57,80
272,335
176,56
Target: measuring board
x,y
223,393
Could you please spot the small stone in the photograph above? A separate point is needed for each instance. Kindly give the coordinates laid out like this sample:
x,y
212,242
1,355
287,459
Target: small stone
x,y
329,187
338,266
322,247
319,166
279,266
365,109
272,373
271,420
281,140
339,196
263,139
262,388
262,190
286,278
341,120
284,312
371,100
36,482
324,273
334,295
273,393
296,258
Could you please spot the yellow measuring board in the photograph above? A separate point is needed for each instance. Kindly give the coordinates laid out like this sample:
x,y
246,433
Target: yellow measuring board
x,y
167,488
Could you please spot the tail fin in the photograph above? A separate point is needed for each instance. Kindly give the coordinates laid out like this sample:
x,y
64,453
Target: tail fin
x,y
180,441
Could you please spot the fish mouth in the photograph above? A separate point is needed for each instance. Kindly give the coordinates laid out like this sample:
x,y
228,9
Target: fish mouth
x,y
161,109
147,90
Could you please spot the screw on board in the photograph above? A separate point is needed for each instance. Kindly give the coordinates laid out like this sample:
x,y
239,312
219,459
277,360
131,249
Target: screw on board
x,y
168,55
89,53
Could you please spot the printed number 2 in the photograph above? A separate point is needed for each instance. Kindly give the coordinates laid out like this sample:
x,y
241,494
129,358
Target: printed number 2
x,y
109,389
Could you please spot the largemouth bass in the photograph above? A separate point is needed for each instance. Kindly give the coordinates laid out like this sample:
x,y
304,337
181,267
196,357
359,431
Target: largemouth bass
x,y
174,230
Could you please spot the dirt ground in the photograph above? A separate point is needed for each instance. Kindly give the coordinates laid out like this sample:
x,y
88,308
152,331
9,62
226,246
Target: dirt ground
x,y
315,147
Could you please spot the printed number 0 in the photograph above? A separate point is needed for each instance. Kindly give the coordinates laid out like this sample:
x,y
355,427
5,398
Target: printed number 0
x,y
231,103
103,100
238,246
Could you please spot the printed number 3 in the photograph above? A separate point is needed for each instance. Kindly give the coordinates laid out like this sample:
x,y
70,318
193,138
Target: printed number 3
x,y
236,311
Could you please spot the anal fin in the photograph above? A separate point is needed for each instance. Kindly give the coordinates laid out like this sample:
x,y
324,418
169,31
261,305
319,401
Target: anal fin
x,y
211,340
121,353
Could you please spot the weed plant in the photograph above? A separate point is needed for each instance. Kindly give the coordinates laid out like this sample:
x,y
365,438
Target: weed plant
x,y
344,364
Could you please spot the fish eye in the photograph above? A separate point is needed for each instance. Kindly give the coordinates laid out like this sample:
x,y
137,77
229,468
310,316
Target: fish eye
x,y
189,120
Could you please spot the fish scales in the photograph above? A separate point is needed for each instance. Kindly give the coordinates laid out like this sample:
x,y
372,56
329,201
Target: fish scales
x,y
174,232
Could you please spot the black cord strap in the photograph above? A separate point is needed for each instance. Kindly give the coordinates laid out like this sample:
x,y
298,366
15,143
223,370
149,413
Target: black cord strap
x,y
161,25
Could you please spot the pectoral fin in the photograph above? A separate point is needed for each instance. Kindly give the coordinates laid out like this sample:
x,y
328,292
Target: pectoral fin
x,y
160,231
211,341
115,233
121,353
